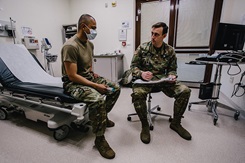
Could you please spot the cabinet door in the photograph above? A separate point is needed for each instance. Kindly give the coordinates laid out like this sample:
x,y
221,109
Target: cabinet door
x,y
103,67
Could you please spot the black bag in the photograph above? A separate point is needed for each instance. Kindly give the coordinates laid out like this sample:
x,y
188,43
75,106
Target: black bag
x,y
209,91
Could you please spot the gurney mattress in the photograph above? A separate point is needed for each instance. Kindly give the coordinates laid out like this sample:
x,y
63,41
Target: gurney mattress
x,y
11,83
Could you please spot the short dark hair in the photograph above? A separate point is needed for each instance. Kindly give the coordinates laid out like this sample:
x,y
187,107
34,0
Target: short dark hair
x,y
84,19
163,25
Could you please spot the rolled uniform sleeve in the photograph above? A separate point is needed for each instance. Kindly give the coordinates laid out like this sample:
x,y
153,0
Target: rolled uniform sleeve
x,y
69,54
135,64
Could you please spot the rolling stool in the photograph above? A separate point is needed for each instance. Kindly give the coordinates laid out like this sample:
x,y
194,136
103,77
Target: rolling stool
x,y
150,111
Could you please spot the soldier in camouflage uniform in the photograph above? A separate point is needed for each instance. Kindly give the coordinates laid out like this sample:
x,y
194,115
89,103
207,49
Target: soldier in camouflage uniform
x,y
152,61
86,86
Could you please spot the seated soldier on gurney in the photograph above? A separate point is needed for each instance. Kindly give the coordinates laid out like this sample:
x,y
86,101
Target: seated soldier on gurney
x,y
86,86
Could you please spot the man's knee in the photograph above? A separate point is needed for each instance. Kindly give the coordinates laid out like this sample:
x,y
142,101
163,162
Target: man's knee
x,y
117,90
98,104
186,91
117,87
138,97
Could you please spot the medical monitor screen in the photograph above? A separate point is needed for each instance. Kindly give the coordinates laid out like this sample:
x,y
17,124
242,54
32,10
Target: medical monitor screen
x,y
229,37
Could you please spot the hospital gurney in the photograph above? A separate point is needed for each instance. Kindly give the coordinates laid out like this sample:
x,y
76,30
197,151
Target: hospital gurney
x,y
26,87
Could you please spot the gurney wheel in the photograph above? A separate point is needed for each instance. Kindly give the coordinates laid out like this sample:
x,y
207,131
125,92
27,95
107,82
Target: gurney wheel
x,y
236,115
61,133
3,114
158,108
215,121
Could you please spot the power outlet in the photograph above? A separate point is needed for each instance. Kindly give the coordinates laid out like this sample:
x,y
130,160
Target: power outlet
x,y
231,79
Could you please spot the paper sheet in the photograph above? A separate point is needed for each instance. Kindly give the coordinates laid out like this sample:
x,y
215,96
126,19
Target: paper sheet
x,y
24,67
139,81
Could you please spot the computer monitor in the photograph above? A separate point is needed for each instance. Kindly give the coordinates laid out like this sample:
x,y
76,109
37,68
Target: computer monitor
x,y
229,37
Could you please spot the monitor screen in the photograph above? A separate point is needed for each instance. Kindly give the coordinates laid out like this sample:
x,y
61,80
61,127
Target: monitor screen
x,y
229,37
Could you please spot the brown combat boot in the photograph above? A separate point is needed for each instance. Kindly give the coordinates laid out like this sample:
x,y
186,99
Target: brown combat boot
x,y
145,132
145,135
103,147
176,126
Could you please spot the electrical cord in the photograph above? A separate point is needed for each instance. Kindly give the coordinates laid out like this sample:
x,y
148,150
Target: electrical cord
x,y
228,71
237,87
232,58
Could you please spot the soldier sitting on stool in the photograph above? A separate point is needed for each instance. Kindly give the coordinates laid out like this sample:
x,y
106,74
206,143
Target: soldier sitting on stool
x,y
154,60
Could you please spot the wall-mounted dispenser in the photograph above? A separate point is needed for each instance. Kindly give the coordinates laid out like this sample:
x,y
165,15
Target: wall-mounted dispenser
x,y
30,42
6,29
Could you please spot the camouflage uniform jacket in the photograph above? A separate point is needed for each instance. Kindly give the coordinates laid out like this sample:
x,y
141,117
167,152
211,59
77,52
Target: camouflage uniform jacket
x,y
161,63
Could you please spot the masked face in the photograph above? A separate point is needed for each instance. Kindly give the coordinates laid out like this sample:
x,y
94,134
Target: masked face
x,y
92,34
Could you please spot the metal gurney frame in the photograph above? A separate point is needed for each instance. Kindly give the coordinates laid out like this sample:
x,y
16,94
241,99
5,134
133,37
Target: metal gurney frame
x,y
41,102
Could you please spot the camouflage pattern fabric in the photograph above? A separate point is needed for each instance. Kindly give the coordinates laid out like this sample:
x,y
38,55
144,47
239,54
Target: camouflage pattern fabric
x,y
161,63
99,104
180,92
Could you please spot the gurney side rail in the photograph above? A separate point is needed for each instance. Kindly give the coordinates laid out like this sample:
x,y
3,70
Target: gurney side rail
x,y
76,109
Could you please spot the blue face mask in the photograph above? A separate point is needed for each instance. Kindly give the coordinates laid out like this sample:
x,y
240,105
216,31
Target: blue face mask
x,y
92,34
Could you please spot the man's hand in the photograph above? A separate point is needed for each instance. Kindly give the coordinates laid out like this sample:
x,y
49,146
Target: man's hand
x,y
172,78
146,75
96,75
101,88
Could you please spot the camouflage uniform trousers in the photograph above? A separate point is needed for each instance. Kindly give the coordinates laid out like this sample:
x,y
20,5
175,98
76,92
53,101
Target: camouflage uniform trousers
x,y
180,92
99,104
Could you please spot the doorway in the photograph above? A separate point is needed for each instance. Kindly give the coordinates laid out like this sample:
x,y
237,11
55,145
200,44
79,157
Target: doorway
x,y
191,31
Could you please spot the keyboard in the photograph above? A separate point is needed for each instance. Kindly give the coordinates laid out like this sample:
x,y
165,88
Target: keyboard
x,y
210,58
224,57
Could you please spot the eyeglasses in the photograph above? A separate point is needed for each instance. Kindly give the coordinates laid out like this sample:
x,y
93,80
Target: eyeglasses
x,y
155,34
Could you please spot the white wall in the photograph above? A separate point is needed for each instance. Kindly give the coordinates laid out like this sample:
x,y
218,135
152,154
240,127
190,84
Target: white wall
x,y
45,17
109,21
233,12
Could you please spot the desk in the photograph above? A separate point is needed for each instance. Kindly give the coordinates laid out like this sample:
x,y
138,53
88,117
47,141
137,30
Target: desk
x,y
213,103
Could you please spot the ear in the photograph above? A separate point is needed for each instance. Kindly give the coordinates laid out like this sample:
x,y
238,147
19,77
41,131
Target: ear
x,y
82,25
164,35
